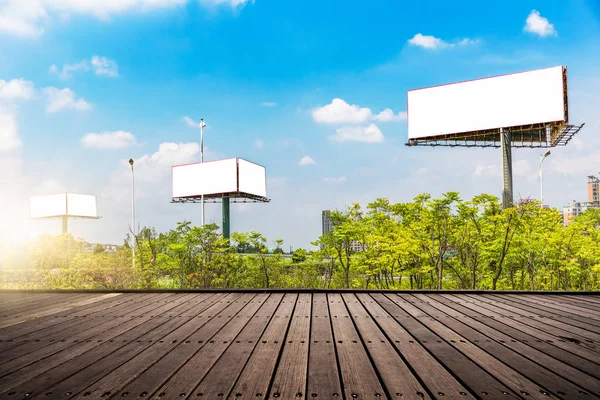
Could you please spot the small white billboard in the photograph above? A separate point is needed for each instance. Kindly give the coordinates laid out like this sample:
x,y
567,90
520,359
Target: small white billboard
x,y
234,176
63,204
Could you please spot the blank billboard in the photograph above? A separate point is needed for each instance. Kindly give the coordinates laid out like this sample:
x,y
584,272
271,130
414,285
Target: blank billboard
x,y
81,205
213,177
252,178
58,205
232,176
52,205
505,101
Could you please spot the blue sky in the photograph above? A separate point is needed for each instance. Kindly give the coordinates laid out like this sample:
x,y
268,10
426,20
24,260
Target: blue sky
x,y
257,72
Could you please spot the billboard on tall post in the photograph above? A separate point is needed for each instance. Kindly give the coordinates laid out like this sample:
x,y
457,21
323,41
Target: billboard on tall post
x,y
524,109
232,179
533,106
63,206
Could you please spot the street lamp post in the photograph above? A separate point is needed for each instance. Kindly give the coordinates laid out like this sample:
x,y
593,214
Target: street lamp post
x,y
132,214
202,125
542,158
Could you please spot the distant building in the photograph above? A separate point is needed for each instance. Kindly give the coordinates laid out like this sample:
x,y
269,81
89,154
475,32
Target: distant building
x,y
574,209
108,248
594,190
326,223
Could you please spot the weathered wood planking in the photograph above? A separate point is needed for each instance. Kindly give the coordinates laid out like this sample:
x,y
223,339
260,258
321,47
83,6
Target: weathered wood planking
x,y
296,345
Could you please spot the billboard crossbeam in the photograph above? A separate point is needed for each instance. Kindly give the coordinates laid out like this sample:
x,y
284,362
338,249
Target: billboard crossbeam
x,y
522,137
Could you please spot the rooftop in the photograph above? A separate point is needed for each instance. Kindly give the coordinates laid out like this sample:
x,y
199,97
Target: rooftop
x,y
299,344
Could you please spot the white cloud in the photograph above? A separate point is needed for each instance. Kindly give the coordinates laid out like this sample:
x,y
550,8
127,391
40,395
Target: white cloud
x,y
268,104
16,89
539,25
28,18
193,123
388,115
366,134
340,112
306,160
469,42
427,42
104,66
9,136
341,179
68,68
258,144
232,3
433,43
64,99
101,66
108,140
485,170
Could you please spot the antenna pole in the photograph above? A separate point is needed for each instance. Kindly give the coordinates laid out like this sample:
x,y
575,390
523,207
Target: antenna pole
x,y
202,158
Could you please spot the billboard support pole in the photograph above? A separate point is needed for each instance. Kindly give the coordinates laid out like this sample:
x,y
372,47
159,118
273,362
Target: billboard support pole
x,y
507,176
226,220
64,224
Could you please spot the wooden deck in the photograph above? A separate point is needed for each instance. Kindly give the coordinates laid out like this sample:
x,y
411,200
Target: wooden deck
x,y
295,345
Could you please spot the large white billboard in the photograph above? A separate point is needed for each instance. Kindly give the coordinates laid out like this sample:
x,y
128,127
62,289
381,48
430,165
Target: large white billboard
x,y
58,205
212,177
81,205
53,205
505,101
228,176
252,178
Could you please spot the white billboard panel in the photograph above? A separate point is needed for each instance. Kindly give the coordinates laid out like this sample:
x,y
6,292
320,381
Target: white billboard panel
x,y
213,177
252,178
524,98
48,206
81,205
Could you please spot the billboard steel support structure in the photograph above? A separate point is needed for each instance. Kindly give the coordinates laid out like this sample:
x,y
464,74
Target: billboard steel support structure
x,y
507,175
226,219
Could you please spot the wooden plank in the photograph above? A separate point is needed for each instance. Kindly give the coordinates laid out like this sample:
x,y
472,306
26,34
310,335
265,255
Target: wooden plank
x,y
476,379
395,374
96,334
63,329
434,376
148,382
43,374
567,304
170,335
533,326
559,349
55,309
589,319
211,361
359,377
552,326
291,375
20,310
67,316
323,372
544,370
250,362
30,301
575,301
21,298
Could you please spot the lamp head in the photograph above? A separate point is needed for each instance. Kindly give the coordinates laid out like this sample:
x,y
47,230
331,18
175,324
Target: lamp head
x,y
131,162
547,153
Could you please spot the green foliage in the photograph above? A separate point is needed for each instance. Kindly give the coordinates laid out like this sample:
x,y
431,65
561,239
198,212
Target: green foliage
x,y
427,243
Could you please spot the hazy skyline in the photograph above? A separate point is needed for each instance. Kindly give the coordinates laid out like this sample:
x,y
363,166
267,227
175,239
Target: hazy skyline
x,y
314,91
